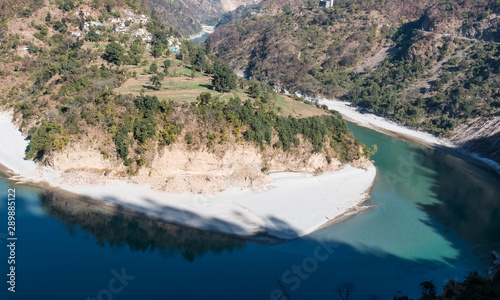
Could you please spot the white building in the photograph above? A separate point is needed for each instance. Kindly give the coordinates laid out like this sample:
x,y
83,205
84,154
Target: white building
x,y
326,3
76,33
128,12
122,29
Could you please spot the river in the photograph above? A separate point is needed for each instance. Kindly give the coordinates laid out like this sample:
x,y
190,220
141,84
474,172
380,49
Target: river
x,y
203,35
434,217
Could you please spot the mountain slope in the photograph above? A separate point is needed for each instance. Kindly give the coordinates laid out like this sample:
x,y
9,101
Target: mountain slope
x,y
432,65
101,97
187,16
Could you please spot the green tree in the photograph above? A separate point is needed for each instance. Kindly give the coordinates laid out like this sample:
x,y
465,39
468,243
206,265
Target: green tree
x,y
92,36
41,142
144,128
204,98
114,53
48,17
156,81
224,78
122,141
157,49
25,12
61,26
197,58
147,103
137,47
44,31
153,68
66,5
254,88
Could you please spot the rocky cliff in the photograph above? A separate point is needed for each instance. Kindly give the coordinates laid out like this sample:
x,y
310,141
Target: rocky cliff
x,y
480,135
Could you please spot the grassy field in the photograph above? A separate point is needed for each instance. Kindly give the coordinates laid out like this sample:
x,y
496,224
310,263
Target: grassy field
x,y
179,86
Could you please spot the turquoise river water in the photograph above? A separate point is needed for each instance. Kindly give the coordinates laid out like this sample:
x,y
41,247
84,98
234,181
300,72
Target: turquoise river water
x,y
434,217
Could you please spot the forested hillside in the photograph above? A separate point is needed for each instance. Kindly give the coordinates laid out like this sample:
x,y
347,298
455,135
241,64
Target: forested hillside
x,y
75,76
432,65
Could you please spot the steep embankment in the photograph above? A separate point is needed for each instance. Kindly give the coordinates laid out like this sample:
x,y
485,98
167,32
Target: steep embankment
x,y
151,130
71,100
431,66
281,209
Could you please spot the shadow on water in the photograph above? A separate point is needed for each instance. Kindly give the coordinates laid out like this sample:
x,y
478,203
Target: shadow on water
x,y
458,199
442,198
373,273
486,146
120,229
327,263
253,268
469,200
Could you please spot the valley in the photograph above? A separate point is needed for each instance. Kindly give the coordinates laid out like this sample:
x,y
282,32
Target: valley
x,y
248,149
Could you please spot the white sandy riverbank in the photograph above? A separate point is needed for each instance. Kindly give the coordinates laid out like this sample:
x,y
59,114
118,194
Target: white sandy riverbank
x,y
292,205
371,121
204,30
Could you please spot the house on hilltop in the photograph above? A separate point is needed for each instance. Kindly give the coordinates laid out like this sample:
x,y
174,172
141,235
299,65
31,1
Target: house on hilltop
x,y
129,12
326,3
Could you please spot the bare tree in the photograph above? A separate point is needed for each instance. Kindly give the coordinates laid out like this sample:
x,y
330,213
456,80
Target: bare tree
x,y
345,290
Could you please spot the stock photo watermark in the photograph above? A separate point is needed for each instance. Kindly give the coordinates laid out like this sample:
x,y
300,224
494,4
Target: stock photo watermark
x,y
118,282
11,239
292,278
406,167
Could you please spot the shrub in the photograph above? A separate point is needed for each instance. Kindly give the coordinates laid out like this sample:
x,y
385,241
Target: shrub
x,y
122,141
25,12
144,128
145,103
42,142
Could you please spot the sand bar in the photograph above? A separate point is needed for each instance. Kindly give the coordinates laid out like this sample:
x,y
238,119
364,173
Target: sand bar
x,y
291,206
353,114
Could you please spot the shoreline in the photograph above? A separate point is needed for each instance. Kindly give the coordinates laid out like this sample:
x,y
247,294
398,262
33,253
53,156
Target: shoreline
x,y
283,209
204,30
391,128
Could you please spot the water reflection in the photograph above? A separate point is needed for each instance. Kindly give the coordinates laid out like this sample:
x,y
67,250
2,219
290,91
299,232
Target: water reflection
x,y
469,200
428,202
86,216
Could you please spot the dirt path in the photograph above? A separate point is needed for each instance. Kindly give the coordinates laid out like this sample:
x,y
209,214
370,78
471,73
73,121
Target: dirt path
x,y
458,37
